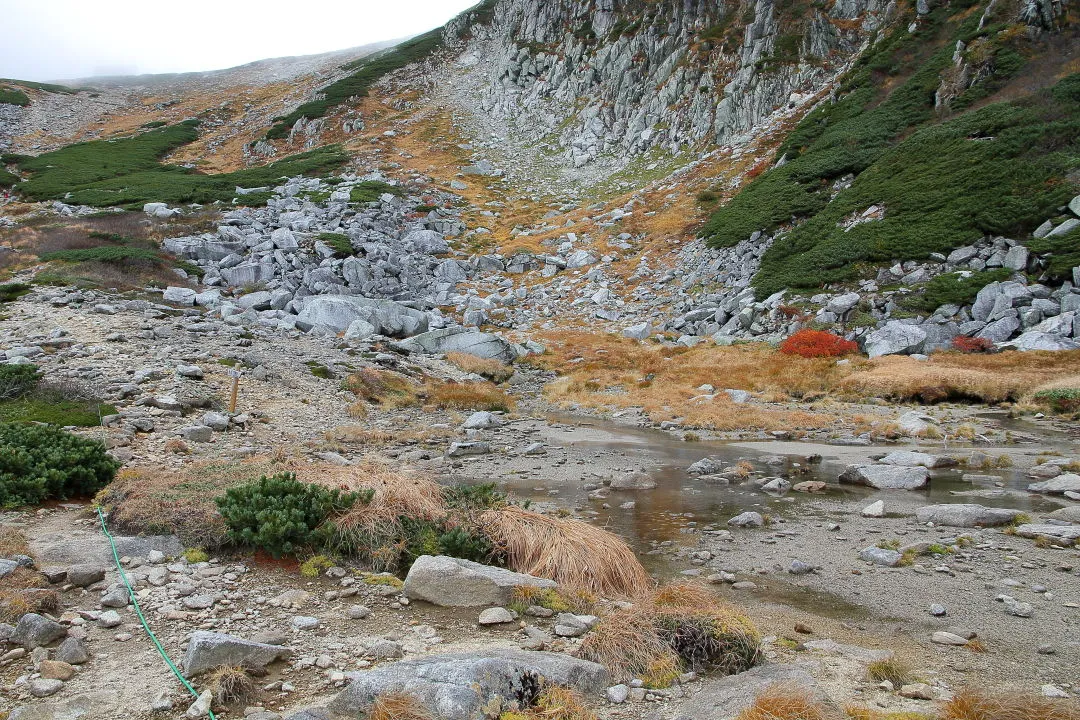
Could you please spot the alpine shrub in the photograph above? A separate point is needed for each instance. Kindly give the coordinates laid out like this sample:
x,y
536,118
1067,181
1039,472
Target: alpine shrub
x,y
1060,400
967,344
817,343
281,515
38,462
17,380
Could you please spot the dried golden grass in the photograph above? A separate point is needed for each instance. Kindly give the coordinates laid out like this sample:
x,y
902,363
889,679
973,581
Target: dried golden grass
x,y
231,685
670,629
990,379
615,372
373,530
489,368
398,706
787,701
23,591
385,388
971,704
571,552
864,713
451,395
13,541
554,703
895,671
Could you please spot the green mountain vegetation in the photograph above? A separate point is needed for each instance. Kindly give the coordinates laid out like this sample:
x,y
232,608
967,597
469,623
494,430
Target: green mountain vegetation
x,y
130,171
945,174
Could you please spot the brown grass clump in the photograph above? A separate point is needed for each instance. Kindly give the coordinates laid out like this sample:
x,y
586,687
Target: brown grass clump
x,y
788,702
231,685
398,706
673,628
383,387
571,552
13,542
489,368
23,591
895,671
553,703
468,396
374,531
970,704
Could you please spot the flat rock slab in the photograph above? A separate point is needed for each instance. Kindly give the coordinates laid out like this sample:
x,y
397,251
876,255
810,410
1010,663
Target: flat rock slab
x,y
886,477
1069,482
965,515
208,650
453,582
727,697
1067,533
100,704
463,686
908,458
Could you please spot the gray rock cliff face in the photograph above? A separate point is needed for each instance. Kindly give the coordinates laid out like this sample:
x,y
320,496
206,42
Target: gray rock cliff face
x,y
588,78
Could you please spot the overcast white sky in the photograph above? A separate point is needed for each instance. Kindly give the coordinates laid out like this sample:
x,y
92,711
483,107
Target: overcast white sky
x,y
65,39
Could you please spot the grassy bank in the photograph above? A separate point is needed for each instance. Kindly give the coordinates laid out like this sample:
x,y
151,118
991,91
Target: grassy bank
x,y
129,171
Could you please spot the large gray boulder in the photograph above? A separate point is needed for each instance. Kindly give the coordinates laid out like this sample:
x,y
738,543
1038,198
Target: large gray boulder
x,y
338,312
1068,482
895,338
1069,514
469,686
472,342
141,546
453,582
248,273
965,515
208,650
428,242
726,697
33,631
886,477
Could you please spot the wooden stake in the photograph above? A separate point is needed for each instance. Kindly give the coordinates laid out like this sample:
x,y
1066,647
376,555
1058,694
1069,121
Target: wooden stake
x,y
235,388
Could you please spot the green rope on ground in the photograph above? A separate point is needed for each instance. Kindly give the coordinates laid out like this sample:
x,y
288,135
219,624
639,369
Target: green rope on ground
x,y
142,619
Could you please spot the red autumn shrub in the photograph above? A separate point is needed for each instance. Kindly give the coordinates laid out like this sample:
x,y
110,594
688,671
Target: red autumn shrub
x,y
972,344
817,343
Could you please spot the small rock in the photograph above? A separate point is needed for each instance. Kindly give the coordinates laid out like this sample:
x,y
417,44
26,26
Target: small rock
x,y
874,510
43,687
618,694
496,616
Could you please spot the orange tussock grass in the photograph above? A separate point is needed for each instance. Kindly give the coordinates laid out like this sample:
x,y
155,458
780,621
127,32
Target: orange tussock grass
x,y
398,706
573,553
383,387
984,378
971,704
672,628
617,373
491,369
789,701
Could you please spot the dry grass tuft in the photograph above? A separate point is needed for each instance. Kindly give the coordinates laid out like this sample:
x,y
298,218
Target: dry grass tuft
x,y
676,627
895,671
383,387
13,542
571,552
374,530
23,591
398,706
970,704
451,395
554,703
491,369
788,702
231,685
